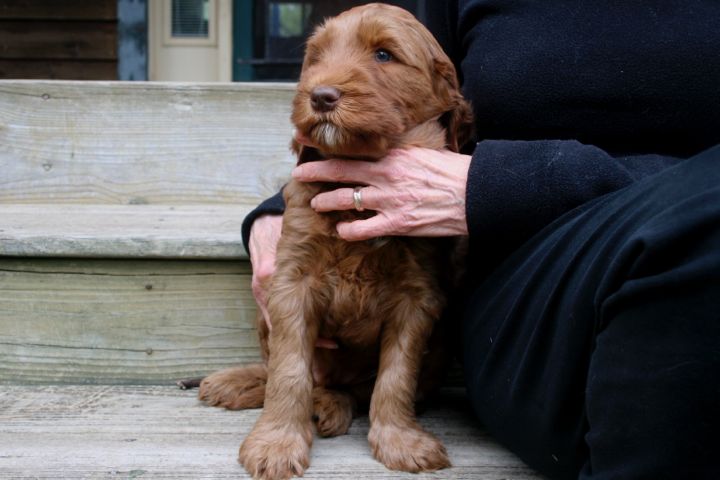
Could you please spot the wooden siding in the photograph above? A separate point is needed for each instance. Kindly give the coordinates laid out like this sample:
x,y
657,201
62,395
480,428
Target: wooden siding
x,y
69,39
123,322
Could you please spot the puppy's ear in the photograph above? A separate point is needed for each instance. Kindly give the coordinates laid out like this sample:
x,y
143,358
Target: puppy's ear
x,y
459,125
304,153
457,117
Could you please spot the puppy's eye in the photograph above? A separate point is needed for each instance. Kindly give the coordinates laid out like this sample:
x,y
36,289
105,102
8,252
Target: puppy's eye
x,y
383,56
312,57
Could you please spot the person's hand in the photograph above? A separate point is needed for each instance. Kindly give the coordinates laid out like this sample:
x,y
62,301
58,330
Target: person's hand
x,y
264,238
415,192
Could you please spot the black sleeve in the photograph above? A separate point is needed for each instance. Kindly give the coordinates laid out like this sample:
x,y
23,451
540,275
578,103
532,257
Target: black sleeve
x,y
515,188
274,205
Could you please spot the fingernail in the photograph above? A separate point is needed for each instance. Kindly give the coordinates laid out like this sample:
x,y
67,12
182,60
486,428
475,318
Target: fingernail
x,y
296,172
313,203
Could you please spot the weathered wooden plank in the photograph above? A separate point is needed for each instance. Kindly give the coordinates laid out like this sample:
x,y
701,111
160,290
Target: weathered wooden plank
x,y
64,10
151,143
122,322
56,40
59,69
123,231
161,432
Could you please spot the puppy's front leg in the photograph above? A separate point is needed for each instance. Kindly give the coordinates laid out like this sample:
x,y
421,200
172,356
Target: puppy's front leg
x,y
396,439
279,445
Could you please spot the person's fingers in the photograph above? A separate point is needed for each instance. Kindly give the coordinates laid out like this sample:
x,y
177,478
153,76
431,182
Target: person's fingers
x,y
261,299
340,171
266,315
326,343
260,279
264,237
303,139
377,226
344,199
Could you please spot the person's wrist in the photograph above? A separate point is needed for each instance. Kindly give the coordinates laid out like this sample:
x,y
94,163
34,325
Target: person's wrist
x,y
462,169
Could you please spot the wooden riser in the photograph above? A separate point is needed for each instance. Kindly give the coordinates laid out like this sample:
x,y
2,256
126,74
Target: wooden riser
x,y
160,432
122,321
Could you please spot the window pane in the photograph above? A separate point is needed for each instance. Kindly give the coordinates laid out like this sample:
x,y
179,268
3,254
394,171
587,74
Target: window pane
x,y
190,18
281,28
288,20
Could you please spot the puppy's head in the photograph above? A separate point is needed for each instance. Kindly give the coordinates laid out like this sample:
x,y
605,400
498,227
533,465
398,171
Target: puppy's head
x,y
369,76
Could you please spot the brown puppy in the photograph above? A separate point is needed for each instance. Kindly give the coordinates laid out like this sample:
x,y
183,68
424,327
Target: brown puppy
x,y
373,79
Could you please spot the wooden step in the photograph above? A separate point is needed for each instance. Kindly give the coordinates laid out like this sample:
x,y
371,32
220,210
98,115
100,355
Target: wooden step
x,y
128,432
123,231
121,264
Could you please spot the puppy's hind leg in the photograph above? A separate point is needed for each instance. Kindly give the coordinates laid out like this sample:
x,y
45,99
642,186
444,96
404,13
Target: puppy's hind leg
x,y
235,388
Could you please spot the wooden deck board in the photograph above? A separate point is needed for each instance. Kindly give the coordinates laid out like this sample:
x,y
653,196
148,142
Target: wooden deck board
x,y
161,432
123,231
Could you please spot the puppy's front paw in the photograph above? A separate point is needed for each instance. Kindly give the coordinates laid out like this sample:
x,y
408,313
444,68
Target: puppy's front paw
x,y
409,448
235,388
276,452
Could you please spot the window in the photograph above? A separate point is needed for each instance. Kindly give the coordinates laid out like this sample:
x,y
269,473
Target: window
x,y
289,20
189,22
273,47
190,18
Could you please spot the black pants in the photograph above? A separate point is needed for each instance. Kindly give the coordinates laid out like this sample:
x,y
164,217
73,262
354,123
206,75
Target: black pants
x,y
594,351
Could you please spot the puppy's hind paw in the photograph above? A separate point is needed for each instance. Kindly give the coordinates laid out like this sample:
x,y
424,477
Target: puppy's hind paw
x,y
332,412
235,388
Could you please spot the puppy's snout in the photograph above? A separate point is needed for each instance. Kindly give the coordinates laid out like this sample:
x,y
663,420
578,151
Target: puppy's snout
x,y
324,98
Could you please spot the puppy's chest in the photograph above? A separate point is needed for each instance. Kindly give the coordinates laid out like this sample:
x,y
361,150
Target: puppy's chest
x,y
365,284
359,288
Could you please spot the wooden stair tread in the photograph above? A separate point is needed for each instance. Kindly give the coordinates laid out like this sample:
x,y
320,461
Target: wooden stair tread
x,y
123,231
162,432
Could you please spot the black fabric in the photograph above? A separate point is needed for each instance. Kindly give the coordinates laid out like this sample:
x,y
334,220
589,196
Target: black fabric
x,y
515,188
596,345
628,77
274,205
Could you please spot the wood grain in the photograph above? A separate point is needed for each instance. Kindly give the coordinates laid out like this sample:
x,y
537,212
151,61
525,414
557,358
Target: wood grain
x,y
123,231
161,432
58,40
122,322
143,143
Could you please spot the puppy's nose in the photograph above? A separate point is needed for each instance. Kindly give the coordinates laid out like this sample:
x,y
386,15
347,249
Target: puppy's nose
x,y
324,99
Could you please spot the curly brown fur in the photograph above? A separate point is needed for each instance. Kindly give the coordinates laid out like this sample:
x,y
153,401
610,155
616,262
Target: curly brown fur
x,y
379,300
